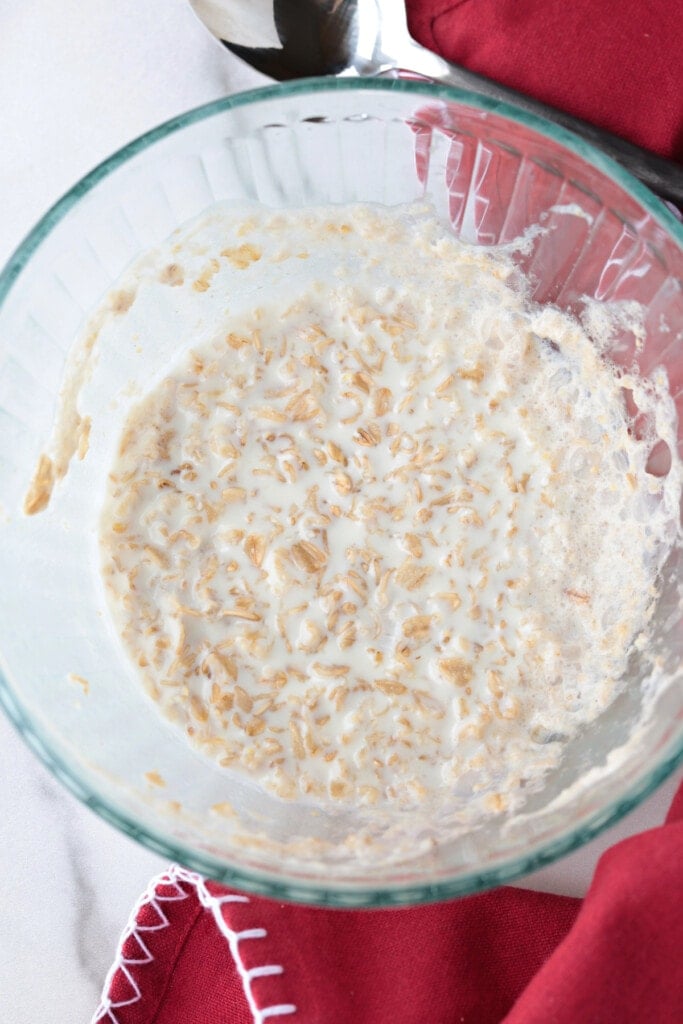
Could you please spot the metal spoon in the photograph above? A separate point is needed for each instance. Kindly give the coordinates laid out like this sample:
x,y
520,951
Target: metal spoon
x,y
300,38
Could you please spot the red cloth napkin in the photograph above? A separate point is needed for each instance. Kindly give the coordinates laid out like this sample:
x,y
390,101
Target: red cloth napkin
x,y
616,63
195,952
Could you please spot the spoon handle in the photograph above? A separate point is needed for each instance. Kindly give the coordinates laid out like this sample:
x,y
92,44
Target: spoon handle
x,y
660,175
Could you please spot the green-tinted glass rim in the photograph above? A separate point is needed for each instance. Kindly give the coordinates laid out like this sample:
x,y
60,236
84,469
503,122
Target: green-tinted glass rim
x,y
293,889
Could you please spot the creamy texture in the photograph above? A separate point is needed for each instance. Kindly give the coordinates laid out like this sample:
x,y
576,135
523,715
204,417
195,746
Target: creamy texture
x,y
386,538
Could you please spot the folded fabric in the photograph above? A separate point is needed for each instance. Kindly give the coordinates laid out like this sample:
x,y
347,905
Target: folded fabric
x,y
615,63
195,952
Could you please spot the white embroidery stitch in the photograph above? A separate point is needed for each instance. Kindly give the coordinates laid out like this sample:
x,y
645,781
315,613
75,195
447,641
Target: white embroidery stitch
x,y
214,904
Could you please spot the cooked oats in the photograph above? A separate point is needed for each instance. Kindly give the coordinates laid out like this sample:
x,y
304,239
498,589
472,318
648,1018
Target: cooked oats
x,y
345,542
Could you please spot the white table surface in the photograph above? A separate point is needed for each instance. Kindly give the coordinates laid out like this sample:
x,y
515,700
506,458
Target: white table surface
x,y
78,80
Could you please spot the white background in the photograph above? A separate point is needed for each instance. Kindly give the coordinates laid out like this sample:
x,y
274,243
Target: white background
x,y
78,79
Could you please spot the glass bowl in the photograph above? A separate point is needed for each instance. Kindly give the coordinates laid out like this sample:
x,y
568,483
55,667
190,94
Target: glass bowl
x,y
492,172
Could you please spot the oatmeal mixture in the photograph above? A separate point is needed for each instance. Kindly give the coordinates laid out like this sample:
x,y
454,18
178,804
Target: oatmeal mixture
x,y
386,537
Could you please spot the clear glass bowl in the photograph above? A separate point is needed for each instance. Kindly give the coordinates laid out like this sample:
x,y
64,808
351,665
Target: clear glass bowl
x,y
493,172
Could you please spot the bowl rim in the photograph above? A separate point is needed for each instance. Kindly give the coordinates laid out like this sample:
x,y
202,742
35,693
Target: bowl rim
x,y
290,887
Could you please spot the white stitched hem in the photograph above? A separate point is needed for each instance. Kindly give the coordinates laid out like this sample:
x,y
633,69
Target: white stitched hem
x,y
106,1011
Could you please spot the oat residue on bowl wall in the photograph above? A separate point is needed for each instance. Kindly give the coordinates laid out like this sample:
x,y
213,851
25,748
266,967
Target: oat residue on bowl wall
x,y
384,537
